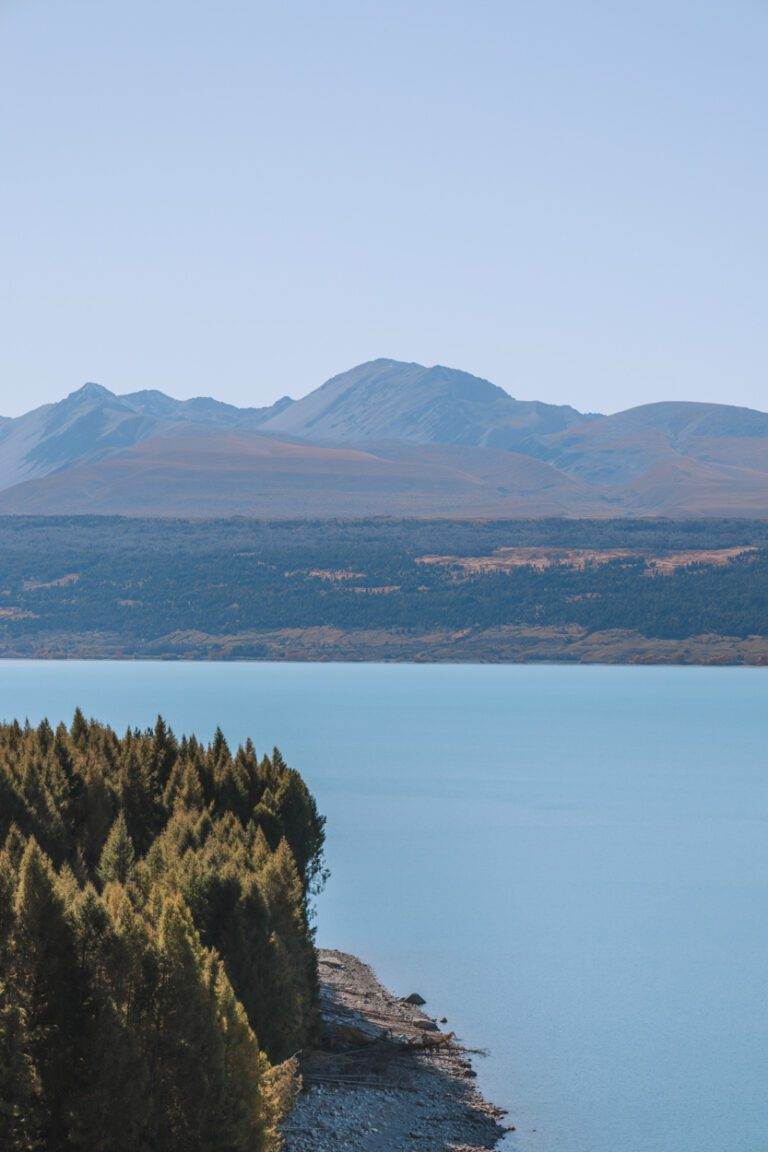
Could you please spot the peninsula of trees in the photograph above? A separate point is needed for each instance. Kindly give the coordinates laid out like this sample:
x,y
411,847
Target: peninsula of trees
x,y
157,962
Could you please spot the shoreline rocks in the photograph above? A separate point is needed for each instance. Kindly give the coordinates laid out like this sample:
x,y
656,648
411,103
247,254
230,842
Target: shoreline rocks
x,y
385,1078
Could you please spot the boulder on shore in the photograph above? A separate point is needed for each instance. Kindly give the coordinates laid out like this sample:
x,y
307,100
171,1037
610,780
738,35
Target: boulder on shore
x,y
414,998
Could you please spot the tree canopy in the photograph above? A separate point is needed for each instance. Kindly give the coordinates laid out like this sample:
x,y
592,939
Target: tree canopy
x,y
157,963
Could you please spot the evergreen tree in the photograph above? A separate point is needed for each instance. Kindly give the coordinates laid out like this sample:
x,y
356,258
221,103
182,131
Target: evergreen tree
x,y
247,1113
117,856
8,876
13,849
47,984
12,807
293,972
139,795
190,790
21,1107
110,1110
79,730
186,1089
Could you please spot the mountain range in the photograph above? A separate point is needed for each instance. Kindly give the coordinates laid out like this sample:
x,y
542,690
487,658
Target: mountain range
x,y
385,438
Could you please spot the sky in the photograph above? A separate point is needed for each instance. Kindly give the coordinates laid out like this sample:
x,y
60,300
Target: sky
x,y
243,198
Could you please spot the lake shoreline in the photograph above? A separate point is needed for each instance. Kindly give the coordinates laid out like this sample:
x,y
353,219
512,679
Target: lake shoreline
x,y
516,645
385,1077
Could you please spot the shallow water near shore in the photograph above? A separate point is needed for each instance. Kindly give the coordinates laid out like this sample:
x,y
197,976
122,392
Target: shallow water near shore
x,y
571,863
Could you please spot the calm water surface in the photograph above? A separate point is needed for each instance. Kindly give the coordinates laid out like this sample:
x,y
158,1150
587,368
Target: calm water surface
x,y
570,863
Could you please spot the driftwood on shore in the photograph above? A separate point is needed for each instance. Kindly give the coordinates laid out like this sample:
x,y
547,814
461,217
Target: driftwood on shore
x,y
385,1078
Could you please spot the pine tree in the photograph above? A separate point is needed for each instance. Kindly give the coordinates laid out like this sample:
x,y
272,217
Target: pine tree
x,y
190,791
248,1116
187,1057
304,827
21,1106
12,806
13,849
293,968
80,729
139,799
164,751
219,747
47,984
8,876
98,812
109,1111
118,856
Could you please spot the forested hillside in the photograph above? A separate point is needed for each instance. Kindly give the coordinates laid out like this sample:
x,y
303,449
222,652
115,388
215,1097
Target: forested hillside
x,y
157,966
381,589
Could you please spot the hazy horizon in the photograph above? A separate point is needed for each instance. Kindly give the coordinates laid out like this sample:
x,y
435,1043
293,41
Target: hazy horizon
x,y
212,395
243,201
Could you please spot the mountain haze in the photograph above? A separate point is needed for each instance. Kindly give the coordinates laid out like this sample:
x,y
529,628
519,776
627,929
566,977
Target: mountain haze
x,y
387,400
385,438
93,423
670,457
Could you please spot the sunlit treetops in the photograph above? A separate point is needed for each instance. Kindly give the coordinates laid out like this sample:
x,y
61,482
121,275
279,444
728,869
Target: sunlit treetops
x,y
157,965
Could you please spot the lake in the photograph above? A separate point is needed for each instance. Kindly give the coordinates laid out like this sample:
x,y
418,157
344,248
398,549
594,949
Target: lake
x,y
571,863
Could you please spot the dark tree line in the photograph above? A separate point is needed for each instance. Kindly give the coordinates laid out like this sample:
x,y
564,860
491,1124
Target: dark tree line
x,y
131,584
157,966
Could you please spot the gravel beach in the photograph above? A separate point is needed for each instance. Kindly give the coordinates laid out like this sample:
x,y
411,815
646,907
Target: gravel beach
x,y
385,1078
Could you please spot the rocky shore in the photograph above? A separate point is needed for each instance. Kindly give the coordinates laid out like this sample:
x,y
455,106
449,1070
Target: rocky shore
x,y
385,1078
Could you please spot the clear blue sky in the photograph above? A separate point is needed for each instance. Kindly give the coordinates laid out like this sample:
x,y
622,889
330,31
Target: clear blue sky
x,y
243,198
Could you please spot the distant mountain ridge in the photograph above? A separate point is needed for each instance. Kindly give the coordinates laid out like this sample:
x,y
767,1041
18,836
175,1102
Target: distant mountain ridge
x,y
388,400
93,423
386,437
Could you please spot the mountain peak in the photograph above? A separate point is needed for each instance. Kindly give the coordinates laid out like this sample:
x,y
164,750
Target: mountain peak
x,y
385,400
90,390
669,457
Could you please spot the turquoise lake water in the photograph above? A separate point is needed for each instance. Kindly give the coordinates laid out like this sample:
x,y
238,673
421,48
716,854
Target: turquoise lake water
x,y
569,863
